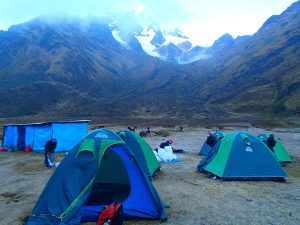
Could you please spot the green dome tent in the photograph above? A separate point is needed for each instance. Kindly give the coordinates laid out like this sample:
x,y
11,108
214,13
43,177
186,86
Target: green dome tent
x,y
98,171
281,153
142,150
241,156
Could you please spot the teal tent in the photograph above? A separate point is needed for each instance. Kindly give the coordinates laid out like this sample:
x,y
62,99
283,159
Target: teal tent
x,y
281,153
241,156
98,171
142,150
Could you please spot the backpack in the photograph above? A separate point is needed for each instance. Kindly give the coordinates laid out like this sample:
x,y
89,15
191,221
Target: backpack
x,y
111,214
28,148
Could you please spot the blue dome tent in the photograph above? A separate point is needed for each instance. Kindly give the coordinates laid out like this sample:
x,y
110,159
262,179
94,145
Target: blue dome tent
x,y
98,171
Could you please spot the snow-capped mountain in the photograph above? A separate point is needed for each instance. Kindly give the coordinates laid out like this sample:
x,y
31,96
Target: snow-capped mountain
x,y
168,44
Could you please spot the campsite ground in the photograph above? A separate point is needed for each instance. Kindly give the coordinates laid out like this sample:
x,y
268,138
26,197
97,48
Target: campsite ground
x,y
193,198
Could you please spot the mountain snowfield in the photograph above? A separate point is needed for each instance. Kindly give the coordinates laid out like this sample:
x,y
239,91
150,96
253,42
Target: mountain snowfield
x,y
138,32
145,39
166,43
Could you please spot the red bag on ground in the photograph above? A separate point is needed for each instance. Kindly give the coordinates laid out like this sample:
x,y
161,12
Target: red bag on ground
x,y
111,214
28,149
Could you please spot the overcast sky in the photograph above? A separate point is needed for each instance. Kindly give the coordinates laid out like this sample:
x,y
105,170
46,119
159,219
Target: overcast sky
x,y
202,20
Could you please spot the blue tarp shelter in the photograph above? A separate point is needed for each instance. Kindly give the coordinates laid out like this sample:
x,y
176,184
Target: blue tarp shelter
x,y
67,133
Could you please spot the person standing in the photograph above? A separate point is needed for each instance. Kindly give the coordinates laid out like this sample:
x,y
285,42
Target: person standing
x,y
211,139
49,152
271,142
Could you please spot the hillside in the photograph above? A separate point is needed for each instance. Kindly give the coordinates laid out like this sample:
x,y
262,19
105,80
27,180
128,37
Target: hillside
x,y
260,72
76,69
62,66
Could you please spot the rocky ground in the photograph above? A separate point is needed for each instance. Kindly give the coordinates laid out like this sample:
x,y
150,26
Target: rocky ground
x,y
193,198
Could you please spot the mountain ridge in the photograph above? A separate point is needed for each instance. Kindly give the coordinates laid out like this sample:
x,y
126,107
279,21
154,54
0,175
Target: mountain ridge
x,y
79,69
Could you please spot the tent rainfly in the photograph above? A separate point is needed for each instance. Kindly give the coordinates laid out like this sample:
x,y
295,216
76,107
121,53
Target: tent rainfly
x,y
142,151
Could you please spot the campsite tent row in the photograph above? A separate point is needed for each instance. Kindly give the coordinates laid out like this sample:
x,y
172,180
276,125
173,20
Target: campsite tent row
x,y
101,169
241,156
35,135
105,167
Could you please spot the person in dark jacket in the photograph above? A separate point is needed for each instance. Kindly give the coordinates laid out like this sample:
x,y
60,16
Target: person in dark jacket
x,y
211,139
166,143
271,142
49,152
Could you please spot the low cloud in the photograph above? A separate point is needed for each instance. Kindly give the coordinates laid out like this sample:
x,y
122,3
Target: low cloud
x,y
203,19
